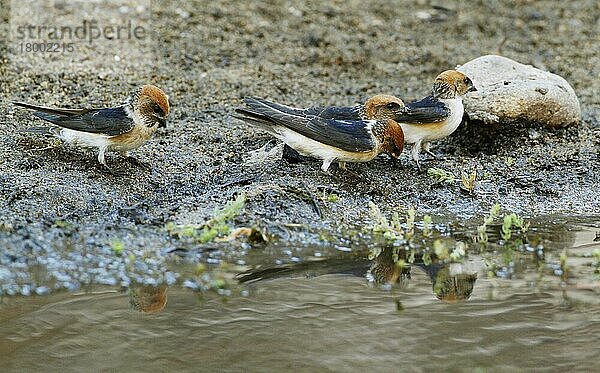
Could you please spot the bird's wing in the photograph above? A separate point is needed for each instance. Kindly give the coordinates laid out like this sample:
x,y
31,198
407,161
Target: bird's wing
x,y
325,112
108,121
349,135
335,112
426,110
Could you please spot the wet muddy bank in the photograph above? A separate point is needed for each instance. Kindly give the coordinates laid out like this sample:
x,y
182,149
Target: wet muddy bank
x,y
210,56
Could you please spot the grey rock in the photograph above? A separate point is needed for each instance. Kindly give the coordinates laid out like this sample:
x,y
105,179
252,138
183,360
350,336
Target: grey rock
x,y
510,92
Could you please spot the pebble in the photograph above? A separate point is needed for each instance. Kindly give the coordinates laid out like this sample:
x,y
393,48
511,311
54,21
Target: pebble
x,y
511,92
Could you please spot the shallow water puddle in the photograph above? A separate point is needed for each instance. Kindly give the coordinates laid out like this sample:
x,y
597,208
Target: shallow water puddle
x,y
531,304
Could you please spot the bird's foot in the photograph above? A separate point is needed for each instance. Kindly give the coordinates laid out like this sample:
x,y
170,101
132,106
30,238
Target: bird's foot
x,y
432,154
352,173
418,164
136,162
113,172
346,171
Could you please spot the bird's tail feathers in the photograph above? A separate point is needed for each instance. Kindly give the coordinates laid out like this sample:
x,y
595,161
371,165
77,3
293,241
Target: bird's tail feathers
x,y
49,110
45,131
256,119
260,105
264,274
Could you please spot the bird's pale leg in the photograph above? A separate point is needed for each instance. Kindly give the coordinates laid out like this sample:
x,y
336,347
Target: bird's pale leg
x,y
135,161
342,166
326,164
416,149
427,148
102,160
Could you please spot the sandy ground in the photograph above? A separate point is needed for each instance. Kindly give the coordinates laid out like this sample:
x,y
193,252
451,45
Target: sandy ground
x,y
209,55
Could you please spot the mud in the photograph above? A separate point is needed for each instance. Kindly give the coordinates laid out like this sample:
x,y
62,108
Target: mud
x,y
207,56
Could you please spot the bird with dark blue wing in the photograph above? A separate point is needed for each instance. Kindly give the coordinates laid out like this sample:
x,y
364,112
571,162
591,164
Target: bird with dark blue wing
x,y
436,116
121,129
343,134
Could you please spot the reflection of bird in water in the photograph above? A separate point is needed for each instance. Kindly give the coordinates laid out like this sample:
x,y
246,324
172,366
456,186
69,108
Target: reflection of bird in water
x,y
356,266
451,283
147,298
382,269
385,270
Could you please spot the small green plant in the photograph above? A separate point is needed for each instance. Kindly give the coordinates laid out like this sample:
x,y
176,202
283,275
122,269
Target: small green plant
x,y
482,235
427,226
410,222
596,254
390,229
512,222
440,250
426,258
62,224
441,176
6,227
118,247
333,198
217,226
564,267
400,263
459,252
468,180
200,269
509,161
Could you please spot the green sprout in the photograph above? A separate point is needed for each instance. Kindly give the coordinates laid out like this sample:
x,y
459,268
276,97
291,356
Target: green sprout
x,y
489,219
333,198
459,252
468,180
440,250
427,225
218,226
62,224
410,221
510,223
117,248
426,258
563,264
390,229
596,254
441,176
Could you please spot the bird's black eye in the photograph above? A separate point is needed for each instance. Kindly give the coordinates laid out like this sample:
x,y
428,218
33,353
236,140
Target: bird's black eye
x,y
392,105
157,110
468,81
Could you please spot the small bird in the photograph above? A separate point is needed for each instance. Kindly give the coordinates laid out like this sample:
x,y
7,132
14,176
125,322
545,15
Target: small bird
x,y
437,115
120,129
344,134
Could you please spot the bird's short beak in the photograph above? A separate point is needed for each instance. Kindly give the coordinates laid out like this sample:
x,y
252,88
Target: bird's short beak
x,y
162,122
472,89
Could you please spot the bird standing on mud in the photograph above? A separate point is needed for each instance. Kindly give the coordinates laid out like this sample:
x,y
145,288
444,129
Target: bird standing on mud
x,y
437,115
120,129
344,134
